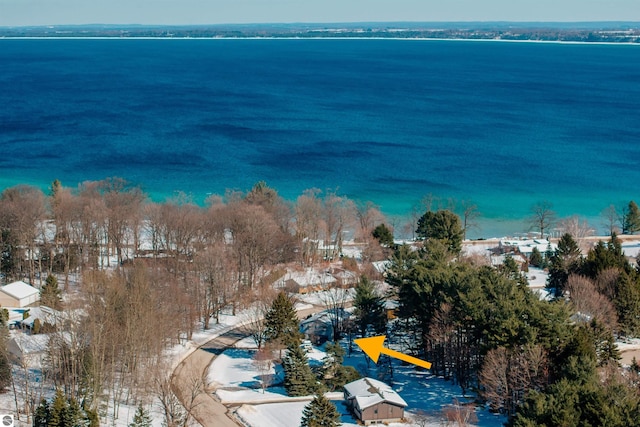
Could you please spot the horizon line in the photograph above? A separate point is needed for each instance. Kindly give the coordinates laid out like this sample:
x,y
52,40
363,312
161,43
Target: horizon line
x,y
288,23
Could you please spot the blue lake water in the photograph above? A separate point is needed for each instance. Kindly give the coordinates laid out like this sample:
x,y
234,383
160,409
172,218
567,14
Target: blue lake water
x,y
505,125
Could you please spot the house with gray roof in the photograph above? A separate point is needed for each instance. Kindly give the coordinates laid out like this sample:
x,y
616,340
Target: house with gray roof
x,y
374,402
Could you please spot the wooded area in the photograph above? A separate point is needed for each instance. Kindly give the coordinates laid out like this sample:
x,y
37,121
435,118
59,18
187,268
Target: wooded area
x,y
139,276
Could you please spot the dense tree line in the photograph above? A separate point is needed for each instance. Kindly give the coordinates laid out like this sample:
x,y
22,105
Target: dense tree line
x,y
139,276
148,274
532,359
602,283
107,222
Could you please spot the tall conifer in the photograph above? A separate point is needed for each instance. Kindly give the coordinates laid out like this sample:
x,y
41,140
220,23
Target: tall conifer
x,y
141,418
50,293
42,414
57,410
281,322
298,378
320,413
631,219
369,308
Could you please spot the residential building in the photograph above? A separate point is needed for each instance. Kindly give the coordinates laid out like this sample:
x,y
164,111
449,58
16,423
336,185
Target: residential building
x,y
374,402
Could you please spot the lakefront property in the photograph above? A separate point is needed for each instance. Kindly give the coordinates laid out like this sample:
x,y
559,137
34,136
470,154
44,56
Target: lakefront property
x,y
239,277
202,232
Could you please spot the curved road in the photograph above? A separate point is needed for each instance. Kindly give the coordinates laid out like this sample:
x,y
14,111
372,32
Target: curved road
x,y
192,372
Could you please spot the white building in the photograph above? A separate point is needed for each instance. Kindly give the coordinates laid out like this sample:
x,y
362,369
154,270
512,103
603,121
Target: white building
x,y
18,294
29,350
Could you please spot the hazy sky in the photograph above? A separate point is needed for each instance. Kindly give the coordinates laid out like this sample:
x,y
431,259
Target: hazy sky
x,y
48,12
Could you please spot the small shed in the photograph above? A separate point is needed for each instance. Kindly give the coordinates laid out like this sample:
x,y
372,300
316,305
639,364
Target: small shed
x,y
18,294
374,402
391,307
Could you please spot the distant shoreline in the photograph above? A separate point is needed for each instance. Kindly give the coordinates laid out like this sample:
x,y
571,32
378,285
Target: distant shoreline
x,y
568,42
548,32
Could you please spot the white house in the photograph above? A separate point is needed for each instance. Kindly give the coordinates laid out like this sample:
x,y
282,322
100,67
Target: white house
x,y
374,402
18,294
29,350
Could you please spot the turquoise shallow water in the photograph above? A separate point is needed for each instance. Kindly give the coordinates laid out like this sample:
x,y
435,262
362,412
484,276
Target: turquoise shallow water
x,y
503,124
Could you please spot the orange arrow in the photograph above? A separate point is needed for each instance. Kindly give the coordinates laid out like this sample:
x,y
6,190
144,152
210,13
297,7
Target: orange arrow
x,y
374,346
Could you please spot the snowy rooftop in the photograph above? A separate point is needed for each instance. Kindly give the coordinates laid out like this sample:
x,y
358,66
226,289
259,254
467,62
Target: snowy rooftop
x,y
326,316
526,246
30,344
369,392
381,266
309,277
19,290
44,313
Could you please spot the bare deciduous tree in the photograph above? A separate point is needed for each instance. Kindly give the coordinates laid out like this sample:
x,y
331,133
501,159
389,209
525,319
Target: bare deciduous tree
x,y
216,272
611,220
459,415
507,375
263,361
22,215
338,214
588,301
335,300
308,210
254,322
257,240
470,215
368,216
576,227
606,282
542,216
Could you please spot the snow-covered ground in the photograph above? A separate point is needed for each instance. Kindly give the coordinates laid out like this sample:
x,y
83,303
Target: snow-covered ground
x,y
125,412
631,248
237,379
629,350
328,297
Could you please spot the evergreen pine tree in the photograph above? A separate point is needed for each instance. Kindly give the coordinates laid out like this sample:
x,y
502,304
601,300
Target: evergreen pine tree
x,y
141,418
511,270
50,293
564,261
536,258
73,416
41,416
4,317
383,235
57,410
320,413
334,374
604,256
281,323
631,219
442,225
369,308
5,364
627,303
298,377
91,417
